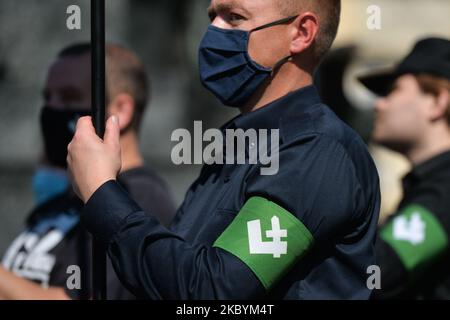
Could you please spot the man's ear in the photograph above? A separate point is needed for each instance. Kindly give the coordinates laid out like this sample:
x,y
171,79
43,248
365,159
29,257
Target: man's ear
x,y
441,105
306,29
123,107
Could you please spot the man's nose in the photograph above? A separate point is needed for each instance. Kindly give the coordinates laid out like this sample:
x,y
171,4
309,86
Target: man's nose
x,y
380,104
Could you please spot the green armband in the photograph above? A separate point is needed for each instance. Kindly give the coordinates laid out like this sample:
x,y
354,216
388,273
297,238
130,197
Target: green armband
x,y
417,236
267,238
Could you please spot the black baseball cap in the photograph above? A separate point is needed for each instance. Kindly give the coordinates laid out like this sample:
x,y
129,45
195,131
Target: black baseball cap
x,y
429,56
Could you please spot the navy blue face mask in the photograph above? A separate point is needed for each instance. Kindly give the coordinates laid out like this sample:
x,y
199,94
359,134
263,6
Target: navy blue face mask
x,y
226,68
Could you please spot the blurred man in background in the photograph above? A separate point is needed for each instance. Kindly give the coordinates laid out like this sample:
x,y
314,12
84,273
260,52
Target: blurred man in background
x,y
36,264
413,118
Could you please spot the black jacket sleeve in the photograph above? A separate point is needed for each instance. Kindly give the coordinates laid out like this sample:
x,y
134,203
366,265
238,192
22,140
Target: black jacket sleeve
x,y
181,270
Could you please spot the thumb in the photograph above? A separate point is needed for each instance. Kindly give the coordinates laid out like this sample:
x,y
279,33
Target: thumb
x,y
112,131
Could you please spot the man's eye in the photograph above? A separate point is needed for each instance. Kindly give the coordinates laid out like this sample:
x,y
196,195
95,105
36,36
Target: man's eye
x,y
234,17
212,16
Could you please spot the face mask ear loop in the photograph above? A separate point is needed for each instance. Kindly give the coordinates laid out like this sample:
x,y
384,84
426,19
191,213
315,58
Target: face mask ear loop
x,y
272,24
279,64
275,23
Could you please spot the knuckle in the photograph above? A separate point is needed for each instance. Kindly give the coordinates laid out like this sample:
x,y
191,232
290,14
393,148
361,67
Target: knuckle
x,y
83,121
78,135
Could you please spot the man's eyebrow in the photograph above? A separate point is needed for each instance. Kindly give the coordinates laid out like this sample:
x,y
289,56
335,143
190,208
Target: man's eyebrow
x,y
211,11
225,6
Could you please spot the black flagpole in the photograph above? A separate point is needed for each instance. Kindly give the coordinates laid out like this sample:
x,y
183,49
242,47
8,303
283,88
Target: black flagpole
x,y
98,118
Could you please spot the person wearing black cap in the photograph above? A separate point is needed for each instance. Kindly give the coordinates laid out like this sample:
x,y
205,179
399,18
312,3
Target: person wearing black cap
x,y
413,118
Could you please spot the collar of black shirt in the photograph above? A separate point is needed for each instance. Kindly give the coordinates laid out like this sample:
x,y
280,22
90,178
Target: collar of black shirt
x,y
288,114
436,165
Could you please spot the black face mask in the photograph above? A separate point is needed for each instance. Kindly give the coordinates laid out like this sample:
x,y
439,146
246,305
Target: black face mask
x,y
58,128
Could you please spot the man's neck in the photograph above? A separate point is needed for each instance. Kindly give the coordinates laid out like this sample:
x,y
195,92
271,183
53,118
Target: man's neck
x,y
287,79
434,143
131,155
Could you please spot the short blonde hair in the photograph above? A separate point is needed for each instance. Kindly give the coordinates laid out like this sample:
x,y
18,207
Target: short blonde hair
x,y
329,13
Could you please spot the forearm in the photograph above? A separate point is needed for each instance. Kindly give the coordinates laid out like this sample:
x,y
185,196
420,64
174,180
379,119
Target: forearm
x,y
13,287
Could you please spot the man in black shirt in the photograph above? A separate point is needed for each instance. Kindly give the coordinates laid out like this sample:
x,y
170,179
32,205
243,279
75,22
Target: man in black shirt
x,y
413,118
303,228
39,263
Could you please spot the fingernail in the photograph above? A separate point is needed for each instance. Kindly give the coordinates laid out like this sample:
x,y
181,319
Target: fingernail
x,y
114,119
